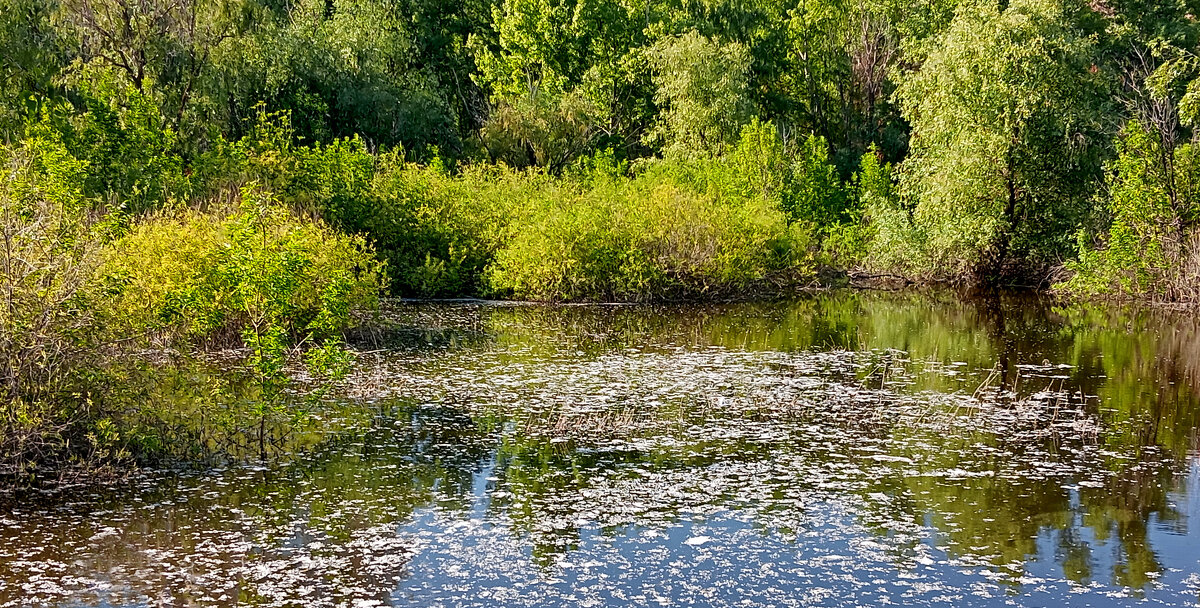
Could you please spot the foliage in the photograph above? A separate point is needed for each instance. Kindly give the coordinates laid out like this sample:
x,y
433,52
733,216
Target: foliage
x,y
352,67
1151,245
123,140
438,232
894,240
1004,147
212,173
801,181
664,233
49,251
534,134
567,74
702,86
32,54
259,277
590,234
869,220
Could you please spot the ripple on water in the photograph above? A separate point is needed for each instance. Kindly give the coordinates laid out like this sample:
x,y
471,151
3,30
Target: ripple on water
x,y
520,456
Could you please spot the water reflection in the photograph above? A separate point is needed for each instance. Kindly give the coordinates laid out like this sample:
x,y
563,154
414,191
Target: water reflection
x,y
843,449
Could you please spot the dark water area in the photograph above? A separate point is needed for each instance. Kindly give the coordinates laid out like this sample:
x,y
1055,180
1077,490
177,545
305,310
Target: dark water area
x,y
844,449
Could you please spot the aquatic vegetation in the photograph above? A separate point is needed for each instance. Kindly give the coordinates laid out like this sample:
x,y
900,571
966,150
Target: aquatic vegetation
x,y
50,250
85,294
499,454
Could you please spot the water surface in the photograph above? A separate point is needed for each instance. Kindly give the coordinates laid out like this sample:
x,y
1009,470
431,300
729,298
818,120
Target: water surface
x,y
844,449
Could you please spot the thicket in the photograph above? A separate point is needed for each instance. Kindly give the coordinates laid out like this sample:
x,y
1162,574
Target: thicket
x,y
997,124
246,174
602,229
103,256
1152,248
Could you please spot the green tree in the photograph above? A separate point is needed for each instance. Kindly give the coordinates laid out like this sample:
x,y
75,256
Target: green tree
x,y
566,77
1150,248
165,48
1005,117
31,55
703,91
344,68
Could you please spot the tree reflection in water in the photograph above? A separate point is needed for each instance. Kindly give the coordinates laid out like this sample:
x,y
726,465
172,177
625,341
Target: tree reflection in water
x,y
929,449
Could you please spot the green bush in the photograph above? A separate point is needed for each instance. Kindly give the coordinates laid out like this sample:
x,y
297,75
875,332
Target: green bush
x,y
643,238
260,276
679,226
435,232
438,232
1152,246
50,248
125,148
894,241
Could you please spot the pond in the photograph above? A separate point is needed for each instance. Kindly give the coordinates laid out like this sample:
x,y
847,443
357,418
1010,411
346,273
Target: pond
x,y
841,449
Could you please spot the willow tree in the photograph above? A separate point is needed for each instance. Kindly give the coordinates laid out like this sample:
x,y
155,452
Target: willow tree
x,y
1005,136
702,88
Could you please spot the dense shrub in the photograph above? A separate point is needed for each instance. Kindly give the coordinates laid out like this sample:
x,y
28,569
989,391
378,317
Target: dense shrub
x,y
431,229
259,276
540,134
48,253
124,146
643,238
1152,247
474,230
438,232
83,290
894,240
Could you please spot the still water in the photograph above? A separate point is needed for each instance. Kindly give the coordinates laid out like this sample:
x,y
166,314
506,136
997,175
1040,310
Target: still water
x,y
845,449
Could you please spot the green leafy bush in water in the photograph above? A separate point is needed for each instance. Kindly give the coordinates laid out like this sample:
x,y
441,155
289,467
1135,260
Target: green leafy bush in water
x,y
48,254
438,232
280,286
1153,244
434,231
681,226
893,240
869,218
675,227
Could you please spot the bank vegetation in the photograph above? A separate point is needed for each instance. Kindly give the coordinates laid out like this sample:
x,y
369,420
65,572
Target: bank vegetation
x,y
252,175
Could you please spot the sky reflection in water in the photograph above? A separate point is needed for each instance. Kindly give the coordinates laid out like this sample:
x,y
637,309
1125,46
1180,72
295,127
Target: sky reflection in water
x,y
840,450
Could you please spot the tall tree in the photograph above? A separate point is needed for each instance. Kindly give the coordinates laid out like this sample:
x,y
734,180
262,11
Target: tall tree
x,y
702,90
1006,134
164,47
566,76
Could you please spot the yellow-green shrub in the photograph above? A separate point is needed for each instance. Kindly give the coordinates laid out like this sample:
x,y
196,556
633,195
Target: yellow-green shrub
x,y
438,232
640,239
213,276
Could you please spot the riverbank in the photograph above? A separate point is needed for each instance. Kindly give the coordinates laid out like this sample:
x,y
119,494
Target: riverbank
x,y
277,249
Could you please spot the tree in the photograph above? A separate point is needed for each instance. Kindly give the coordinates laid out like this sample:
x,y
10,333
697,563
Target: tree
x,y
31,55
1151,247
164,47
1006,138
345,68
703,92
564,75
